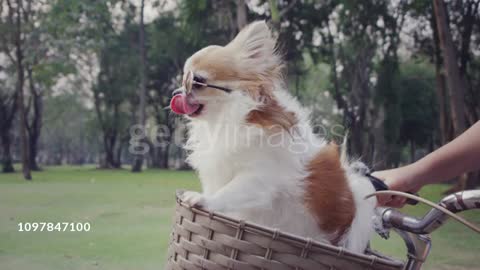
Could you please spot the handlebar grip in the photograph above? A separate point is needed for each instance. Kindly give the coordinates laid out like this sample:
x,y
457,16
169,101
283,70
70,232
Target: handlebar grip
x,y
461,201
411,201
379,185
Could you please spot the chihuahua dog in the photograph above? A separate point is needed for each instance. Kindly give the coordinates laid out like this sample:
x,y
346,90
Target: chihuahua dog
x,y
255,151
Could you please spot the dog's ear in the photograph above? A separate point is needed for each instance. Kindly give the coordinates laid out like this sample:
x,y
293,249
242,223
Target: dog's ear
x,y
255,46
255,41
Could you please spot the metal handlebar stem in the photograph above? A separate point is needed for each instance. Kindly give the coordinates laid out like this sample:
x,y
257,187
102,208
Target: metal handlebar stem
x,y
415,232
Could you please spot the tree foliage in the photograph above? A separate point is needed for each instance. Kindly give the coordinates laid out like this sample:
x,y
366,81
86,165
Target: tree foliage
x,y
374,67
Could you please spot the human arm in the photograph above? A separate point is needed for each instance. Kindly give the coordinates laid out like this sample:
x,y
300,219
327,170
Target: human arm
x,y
458,156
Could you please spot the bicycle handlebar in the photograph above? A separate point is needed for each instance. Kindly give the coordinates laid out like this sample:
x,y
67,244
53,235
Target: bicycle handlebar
x,y
414,231
461,201
457,202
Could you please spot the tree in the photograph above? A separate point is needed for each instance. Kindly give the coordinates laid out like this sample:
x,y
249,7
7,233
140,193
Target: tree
x,y
455,84
138,161
455,81
16,15
8,95
465,15
71,134
359,42
169,47
33,52
36,54
116,83
90,38
34,125
458,26
417,106
8,108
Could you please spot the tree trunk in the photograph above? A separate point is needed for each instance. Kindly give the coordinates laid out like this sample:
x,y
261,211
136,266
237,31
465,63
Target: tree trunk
x,y
166,155
8,108
275,14
442,114
468,22
138,161
7,162
379,160
440,87
152,158
455,83
412,151
19,88
349,122
473,180
111,161
241,14
33,142
34,128
160,157
360,96
118,155
23,131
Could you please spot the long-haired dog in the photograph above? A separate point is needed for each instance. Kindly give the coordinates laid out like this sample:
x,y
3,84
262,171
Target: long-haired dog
x,y
254,149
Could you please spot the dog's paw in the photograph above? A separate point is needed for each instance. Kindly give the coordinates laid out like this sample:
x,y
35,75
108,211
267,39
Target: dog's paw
x,y
192,198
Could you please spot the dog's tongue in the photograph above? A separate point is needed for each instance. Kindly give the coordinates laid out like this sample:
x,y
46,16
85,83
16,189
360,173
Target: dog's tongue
x,y
180,104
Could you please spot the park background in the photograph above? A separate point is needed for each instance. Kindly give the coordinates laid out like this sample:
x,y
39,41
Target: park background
x,y
78,79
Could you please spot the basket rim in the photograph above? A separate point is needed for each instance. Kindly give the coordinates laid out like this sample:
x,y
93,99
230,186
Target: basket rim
x,y
291,238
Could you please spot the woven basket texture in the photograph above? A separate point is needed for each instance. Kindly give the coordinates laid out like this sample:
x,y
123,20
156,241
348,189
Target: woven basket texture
x,y
205,240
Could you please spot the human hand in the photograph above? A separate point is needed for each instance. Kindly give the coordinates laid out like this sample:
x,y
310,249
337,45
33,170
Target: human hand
x,y
400,179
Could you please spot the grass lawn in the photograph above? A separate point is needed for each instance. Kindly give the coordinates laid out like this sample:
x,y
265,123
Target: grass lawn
x,y
130,217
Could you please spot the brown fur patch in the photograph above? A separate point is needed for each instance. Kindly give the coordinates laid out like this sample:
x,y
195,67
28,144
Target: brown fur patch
x,y
219,64
218,70
270,115
328,194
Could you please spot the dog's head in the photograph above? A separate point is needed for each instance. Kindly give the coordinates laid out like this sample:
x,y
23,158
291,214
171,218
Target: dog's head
x,y
236,80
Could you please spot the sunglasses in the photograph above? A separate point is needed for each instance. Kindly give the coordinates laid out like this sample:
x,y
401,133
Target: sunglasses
x,y
191,81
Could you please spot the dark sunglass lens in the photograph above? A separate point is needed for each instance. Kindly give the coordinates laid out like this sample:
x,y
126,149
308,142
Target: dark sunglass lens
x,y
199,79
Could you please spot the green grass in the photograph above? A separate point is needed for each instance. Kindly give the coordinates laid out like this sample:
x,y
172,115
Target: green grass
x,y
130,217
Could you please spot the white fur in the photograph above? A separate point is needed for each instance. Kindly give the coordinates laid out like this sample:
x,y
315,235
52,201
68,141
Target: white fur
x,y
259,178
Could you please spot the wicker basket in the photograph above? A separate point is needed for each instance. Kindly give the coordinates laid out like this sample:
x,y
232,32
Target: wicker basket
x,y
205,240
